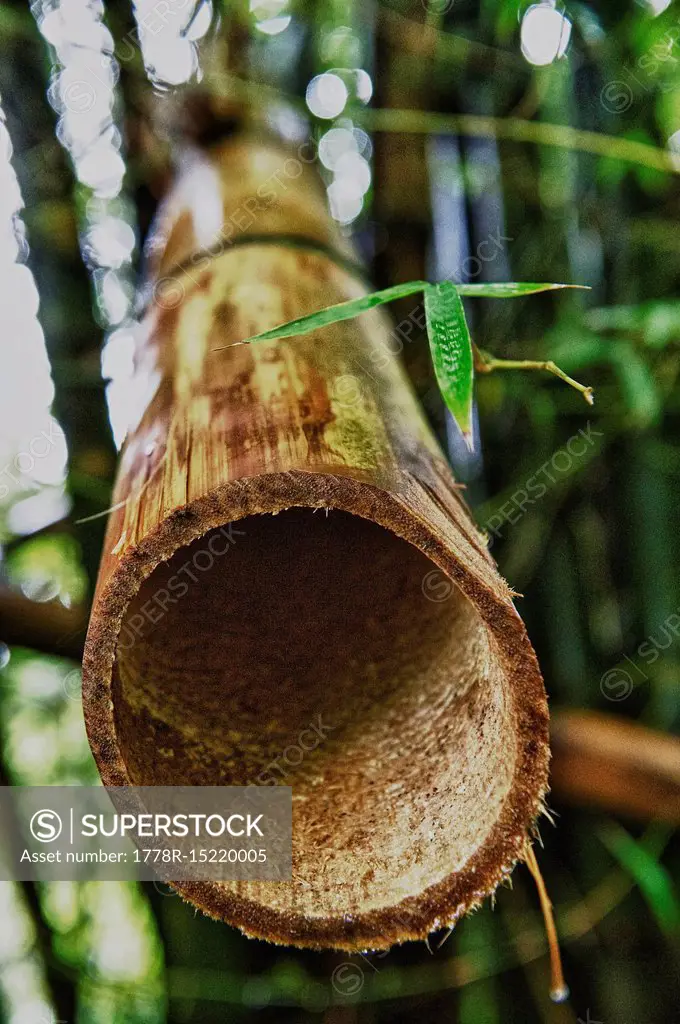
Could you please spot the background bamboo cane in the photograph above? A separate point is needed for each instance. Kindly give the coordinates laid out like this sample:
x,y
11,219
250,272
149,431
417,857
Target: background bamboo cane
x,y
352,600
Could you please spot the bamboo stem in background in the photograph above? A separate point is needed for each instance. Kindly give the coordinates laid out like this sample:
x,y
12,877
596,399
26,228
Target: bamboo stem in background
x,y
606,761
353,594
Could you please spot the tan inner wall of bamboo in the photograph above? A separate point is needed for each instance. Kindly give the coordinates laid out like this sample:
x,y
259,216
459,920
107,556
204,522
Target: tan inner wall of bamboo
x,y
316,630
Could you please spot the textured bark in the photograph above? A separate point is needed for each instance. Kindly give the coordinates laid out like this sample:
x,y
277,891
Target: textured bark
x,y
353,593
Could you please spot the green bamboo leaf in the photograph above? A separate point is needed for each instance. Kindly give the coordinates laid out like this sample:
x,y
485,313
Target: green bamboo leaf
x,y
510,289
333,314
657,320
451,349
652,878
641,393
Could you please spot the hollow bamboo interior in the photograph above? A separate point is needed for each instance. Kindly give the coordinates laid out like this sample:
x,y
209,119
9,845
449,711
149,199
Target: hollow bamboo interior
x,y
292,589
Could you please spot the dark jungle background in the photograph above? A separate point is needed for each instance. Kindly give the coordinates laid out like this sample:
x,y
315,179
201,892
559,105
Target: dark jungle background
x,y
575,179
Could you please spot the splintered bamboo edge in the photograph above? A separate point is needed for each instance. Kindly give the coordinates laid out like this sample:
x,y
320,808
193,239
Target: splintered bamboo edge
x,y
440,905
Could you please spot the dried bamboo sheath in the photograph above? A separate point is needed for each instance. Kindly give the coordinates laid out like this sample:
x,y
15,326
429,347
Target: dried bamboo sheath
x,y
369,655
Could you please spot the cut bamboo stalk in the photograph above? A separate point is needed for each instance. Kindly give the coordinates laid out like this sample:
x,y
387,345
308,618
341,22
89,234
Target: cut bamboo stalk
x,y
293,591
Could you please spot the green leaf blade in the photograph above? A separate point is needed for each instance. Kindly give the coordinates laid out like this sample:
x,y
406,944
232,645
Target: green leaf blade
x,y
451,348
511,289
334,314
652,878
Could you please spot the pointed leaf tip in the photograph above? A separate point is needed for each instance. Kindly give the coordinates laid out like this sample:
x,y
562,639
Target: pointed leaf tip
x,y
334,314
469,439
512,289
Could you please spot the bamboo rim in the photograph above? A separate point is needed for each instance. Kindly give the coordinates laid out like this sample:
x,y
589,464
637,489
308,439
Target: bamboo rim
x,y
250,433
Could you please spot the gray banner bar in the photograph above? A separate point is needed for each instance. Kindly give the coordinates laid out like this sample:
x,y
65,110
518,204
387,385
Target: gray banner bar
x,y
175,833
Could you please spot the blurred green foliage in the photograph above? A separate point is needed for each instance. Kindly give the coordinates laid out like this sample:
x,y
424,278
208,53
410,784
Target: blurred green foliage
x,y
596,558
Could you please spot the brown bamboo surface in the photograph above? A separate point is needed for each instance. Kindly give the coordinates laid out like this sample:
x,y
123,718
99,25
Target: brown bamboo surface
x,y
353,590
42,625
